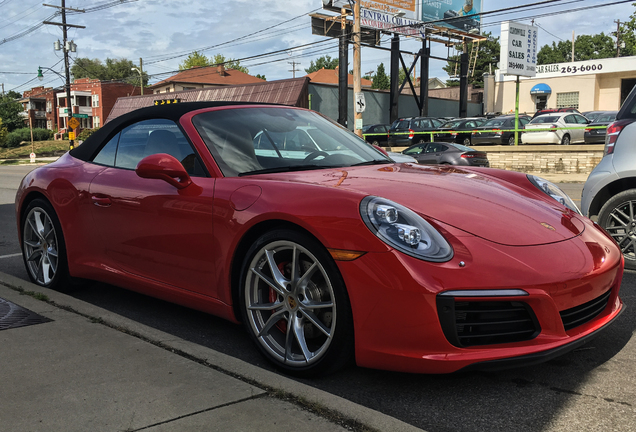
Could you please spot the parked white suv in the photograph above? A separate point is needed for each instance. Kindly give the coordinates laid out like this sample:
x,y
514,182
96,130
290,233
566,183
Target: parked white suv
x,y
610,190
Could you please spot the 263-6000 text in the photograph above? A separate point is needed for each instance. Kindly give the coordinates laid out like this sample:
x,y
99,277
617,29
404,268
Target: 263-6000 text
x,y
575,69
519,66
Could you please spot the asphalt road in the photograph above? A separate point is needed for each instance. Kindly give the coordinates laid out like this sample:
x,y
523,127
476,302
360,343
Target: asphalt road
x,y
593,388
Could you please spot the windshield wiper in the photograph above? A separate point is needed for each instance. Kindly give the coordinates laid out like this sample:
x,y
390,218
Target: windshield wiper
x,y
373,162
288,169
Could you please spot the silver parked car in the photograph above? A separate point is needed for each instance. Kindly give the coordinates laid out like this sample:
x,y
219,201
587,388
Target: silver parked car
x,y
610,190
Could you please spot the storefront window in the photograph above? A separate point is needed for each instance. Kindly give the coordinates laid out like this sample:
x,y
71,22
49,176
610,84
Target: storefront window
x,y
568,100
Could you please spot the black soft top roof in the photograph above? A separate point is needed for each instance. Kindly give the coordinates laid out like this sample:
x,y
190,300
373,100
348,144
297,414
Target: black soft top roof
x,y
173,112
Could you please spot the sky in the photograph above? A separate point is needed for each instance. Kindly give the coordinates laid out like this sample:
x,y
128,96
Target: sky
x,y
163,33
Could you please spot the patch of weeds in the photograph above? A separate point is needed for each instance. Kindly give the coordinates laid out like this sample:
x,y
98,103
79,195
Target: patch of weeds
x,y
10,162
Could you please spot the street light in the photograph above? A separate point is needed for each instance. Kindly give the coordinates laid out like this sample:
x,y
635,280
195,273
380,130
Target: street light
x,y
41,75
141,79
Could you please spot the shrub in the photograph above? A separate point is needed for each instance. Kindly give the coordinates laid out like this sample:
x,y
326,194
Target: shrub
x,y
13,139
85,133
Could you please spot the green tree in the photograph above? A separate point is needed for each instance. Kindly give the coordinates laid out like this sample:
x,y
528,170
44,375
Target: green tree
x,y
261,77
381,79
586,47
229,63
112,69
195,59
487,55
10,111
3,134
322,62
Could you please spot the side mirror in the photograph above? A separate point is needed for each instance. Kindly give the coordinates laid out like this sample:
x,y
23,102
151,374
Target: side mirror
x,y
164,167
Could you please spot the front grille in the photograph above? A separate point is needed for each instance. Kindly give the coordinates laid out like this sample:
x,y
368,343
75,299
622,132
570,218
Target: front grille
x,y
470,323
584,313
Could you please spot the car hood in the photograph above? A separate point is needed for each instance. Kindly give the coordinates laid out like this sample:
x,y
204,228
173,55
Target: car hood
x,y
477,204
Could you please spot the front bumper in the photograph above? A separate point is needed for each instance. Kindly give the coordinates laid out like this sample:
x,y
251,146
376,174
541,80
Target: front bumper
x,y
397,320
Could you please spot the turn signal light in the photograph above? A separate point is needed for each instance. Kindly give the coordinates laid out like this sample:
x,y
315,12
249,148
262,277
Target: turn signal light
x,y
411,133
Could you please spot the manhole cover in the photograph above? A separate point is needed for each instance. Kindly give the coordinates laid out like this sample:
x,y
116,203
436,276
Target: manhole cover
x,y
12,316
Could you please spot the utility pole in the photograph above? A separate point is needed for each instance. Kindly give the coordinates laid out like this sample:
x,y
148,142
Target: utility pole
x,y
618,38
66,46
343,76
357,84
141,72
293,69
572,46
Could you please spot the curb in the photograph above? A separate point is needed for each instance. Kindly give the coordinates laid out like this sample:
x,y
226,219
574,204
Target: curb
x,y
336,406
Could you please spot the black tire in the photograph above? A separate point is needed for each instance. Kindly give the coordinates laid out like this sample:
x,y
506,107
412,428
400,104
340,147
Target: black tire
x,y
43,246
375,143
467,142
511,140
272,306
621,207
565,140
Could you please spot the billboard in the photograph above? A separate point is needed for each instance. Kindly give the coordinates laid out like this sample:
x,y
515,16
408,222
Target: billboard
x,y
398,15
518,49
457,13
403,8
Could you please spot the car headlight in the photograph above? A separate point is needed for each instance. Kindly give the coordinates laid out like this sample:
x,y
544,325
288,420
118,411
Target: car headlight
x,y
553,192
404,230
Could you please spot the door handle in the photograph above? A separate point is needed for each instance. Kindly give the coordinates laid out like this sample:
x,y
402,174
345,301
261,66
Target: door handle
x,y
101,201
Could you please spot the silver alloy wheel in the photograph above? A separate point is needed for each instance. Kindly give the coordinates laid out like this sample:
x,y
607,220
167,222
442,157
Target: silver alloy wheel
x,y
290,303
40,246
621,225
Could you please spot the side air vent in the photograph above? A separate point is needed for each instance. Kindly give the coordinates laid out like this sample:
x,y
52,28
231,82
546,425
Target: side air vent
x,y
471,323
586,312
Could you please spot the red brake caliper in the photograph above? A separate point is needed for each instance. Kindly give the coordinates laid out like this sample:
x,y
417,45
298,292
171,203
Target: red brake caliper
x,y
273,296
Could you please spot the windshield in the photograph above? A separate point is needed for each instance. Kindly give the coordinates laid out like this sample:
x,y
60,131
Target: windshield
x,y
605,118
276,139
451,124
495,122
545,119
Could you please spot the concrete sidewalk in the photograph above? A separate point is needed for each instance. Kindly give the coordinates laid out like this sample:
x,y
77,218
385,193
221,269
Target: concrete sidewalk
x,y
88,369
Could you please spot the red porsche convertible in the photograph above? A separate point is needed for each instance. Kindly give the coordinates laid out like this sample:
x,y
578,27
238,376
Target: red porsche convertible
x,y
324,248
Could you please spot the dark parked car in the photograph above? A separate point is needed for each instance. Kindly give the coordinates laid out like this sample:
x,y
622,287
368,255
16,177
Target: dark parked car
x,y
597,136
408,131
555,110
376,134
447,154
499,131
458,131
591,115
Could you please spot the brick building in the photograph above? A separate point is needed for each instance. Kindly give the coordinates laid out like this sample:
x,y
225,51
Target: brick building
x,y
92,100
39,107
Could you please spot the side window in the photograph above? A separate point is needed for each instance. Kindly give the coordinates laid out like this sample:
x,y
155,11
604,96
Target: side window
x,y
106,155
149,137
580,119
570,119
524,121
415,150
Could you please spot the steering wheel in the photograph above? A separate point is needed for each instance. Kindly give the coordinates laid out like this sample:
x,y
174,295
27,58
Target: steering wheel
x,y
314,155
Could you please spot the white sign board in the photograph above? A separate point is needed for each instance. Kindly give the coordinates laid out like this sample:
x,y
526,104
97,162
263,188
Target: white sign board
x,y
390,23
518,49
360,103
